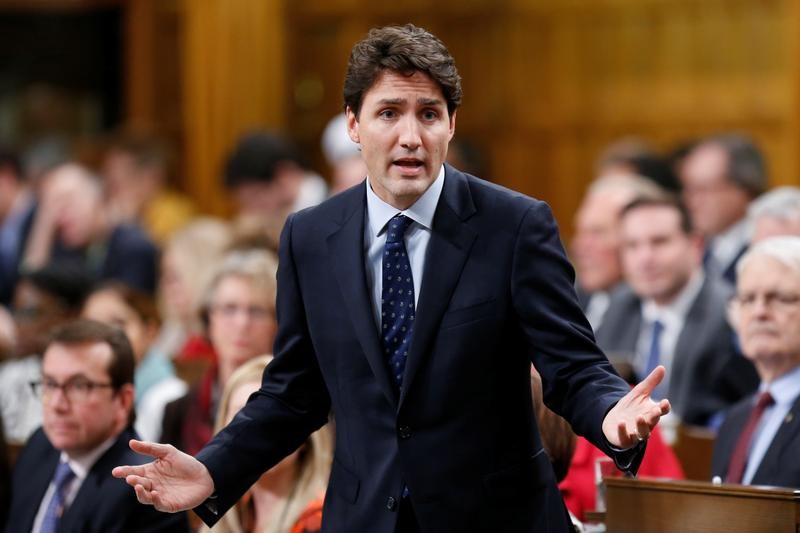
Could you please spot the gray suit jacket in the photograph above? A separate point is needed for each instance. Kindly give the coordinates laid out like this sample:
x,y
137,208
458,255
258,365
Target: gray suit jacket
x,y
708,373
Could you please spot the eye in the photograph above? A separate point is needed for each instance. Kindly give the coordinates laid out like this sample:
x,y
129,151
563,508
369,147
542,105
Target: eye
x,y
430,114
387,114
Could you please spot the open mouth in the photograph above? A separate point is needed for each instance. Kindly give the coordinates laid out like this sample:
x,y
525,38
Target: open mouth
x,y
408,163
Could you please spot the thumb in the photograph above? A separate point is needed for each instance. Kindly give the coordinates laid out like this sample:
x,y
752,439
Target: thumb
x,y
648,384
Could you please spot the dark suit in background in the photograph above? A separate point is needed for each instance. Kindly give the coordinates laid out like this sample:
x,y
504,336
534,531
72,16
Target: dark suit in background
x,y
497,293
102,505
708,374
780,465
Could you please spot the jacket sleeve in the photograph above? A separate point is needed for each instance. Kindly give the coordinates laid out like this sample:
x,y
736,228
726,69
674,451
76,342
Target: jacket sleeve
x,y
293,401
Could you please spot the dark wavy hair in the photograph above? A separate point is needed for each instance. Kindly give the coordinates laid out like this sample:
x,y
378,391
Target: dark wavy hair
x,y
405,50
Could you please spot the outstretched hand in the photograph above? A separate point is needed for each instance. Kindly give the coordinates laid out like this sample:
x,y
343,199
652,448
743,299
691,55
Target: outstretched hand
x,y
174,482
636,414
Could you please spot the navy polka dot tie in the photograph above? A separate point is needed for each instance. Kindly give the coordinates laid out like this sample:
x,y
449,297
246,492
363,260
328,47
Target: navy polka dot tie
x,y
397,298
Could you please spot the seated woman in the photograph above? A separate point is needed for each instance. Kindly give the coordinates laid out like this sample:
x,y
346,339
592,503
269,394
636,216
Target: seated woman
x,y
239,314
155,383
288,497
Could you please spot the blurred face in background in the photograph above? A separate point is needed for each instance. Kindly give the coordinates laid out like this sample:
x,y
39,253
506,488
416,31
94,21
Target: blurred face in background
x,y
36,313
596,244
109,307
658,256
714,202
75,200
766,314
76,421
241,322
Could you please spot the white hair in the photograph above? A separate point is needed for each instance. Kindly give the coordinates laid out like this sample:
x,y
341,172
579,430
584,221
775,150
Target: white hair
x,y
784,249
781,203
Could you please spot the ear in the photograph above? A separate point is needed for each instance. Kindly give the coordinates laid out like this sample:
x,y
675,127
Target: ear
x,y
352,125
453,125
125,398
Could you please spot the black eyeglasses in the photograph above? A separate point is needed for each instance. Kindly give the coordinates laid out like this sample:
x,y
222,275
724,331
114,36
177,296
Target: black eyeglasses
x,y
76,390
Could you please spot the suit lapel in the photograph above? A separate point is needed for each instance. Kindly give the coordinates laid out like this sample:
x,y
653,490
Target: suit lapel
x,y
35,490
448,249
787,431
346,250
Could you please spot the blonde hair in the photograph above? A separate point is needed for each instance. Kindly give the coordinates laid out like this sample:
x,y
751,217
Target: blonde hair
x,y
197,250
314,460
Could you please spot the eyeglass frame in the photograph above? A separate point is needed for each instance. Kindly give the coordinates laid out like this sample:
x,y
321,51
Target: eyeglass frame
x,y
230,310
772,300
46,388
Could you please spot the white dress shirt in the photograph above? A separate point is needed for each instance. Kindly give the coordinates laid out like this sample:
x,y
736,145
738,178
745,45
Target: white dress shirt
x,y
417,237
672,317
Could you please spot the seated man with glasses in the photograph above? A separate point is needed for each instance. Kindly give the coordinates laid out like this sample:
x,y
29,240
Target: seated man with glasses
x,y
62,480
759,440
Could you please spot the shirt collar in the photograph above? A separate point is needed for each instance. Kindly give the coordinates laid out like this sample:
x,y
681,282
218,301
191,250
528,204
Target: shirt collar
x,y
727,244
679,307
784,390
81,465
421,212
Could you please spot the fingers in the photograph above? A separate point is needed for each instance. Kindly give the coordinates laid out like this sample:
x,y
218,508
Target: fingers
x,y
125,471
153,449
648,384
626,439
664,406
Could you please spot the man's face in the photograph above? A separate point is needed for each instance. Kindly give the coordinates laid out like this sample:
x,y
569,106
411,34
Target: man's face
x,y
74,422
658,257
714,202
403,129
766,314
596,244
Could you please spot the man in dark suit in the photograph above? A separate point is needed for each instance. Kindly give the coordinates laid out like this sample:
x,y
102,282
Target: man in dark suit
x,y
418,331
670,313
62,478
758,442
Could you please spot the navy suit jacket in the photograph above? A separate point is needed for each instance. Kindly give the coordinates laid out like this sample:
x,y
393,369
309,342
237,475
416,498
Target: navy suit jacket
x,y
708,373
780,466
103,504
497,293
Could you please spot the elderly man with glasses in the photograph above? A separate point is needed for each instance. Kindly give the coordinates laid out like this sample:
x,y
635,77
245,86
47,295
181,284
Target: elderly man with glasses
x,y
758,442
62,479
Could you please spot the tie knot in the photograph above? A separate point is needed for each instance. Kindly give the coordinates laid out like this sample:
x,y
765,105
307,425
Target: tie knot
x,y
398,225
765,399
63,475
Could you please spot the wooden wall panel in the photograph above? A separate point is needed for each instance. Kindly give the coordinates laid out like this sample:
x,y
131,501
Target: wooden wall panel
x,y
548,83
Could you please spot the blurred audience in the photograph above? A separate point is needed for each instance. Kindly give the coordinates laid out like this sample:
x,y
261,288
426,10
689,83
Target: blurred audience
x,y
189,260
631,156
775,213
155,384
72,224
44,299
721,175
239,311
759,440
135,171
674,315
595,247
288,497
343,155
5,478
268,179
62,478
17,208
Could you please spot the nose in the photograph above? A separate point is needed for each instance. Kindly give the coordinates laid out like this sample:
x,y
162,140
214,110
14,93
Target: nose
x,y
409,133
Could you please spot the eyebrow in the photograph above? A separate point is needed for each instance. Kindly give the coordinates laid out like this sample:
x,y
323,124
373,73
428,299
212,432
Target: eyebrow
x,y
420,101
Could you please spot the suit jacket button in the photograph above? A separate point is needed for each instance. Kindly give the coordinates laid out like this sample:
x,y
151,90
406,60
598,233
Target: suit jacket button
x,y
405,432
391,503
